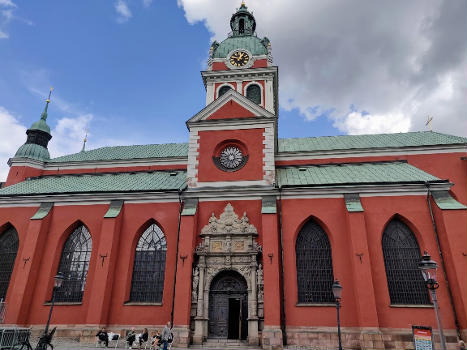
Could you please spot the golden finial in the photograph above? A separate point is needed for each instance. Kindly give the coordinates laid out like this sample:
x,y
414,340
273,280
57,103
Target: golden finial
x,y
428,122
50,92
243,3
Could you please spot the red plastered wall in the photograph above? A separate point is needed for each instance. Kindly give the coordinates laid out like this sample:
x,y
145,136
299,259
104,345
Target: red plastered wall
x,y
251,138
231,110
20,173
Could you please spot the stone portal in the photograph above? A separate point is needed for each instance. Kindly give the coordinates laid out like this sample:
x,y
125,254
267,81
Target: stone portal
x,y
227,280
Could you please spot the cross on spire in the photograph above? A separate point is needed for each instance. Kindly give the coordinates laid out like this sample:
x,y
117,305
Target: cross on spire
x,y
428,122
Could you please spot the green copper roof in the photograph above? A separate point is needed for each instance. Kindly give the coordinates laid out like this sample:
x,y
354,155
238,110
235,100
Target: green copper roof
x,y
128,152
307,144
31,150
409,139
40,125
250,42
117,182
445,201
368,173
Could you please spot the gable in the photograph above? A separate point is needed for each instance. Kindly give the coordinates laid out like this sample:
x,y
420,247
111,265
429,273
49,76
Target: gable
x,y
231,110
231,105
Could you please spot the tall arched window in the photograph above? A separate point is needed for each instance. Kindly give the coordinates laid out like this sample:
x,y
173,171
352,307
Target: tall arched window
x,y
253,92
147,283
401,257
8,250
314,265
74,265
224,89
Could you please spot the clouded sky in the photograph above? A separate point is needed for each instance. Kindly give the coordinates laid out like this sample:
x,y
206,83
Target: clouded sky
x,y
128,70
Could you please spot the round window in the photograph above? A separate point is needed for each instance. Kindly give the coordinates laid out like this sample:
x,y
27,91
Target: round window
x,y
230,157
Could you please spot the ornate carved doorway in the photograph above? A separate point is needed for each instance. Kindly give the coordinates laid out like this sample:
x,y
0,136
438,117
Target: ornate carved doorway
x,y
228,306
227,281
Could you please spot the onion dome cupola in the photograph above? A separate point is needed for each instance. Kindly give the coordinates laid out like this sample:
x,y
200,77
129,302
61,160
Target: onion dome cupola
x,y
38,138
243,36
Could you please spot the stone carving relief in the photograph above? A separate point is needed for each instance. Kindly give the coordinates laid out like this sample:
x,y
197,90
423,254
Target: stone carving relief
x,y
260,283
194,290
228,222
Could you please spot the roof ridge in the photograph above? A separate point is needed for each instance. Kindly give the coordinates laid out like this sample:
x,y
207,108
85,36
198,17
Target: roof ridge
x,y
380,134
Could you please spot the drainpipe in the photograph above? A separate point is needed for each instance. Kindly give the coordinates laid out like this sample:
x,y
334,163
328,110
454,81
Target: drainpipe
x,y
176,254
281,275
443,265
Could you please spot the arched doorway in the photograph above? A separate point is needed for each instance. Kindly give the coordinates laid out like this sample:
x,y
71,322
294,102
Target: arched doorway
x,y
228,306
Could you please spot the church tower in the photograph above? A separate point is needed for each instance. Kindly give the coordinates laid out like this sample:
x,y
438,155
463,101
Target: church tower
x,y
30,157
233,139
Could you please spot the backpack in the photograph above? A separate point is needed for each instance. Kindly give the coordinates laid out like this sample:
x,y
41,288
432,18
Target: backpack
x,y
171,338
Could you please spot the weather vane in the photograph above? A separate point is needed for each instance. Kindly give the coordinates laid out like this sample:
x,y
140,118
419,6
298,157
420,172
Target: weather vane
x,y
428,122
85,140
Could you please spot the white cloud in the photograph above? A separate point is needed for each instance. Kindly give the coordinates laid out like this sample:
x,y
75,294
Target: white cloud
x,y
12,136
6,15
147,3
375,59
358,123
123,11
7,3
68,135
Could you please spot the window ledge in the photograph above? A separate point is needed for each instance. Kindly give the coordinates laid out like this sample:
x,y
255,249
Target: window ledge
x,y
412,306
137,303
59,303
316,304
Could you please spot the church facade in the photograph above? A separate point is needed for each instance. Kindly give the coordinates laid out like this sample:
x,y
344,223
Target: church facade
x,y
238,234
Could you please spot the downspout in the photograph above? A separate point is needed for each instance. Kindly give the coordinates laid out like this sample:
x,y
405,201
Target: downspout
x,y
176,254
281,275
443,265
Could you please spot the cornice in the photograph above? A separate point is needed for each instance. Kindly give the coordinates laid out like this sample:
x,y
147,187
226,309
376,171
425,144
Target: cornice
x,y
33,163
238,73
116,163
228,193
373,152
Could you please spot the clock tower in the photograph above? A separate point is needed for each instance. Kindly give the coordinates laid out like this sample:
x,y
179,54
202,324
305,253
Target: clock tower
x,y
233,139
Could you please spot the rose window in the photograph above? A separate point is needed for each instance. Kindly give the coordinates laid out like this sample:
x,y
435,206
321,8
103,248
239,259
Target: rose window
x,y
230,158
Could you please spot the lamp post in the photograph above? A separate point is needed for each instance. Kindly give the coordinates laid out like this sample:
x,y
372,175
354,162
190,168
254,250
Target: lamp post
x,y
428,268
44,340
337,291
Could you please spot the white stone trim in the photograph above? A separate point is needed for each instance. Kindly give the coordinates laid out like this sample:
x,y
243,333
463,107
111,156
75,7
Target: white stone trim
x,y
233,124
269,96
125,163
32,163
233,183
209,92
369,152
193,154
269,171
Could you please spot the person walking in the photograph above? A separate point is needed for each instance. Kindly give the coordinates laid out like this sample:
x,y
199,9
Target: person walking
x,y
166,336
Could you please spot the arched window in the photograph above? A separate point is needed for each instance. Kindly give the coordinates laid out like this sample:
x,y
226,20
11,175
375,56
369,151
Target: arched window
x,y
147,283
241,26
74,265
314,265
8,249
253,92
224,89
401,257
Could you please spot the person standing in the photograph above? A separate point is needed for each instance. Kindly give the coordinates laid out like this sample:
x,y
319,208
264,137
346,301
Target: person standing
x,y
166,336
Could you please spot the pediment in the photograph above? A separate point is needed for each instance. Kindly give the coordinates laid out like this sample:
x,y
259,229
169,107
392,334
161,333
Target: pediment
x,y
231,105
229,223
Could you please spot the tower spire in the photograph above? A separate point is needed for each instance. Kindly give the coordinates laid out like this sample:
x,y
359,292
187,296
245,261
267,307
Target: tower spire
x,y
47,101
84,141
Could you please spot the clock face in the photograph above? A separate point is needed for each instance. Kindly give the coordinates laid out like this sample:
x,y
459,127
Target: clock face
x,y
231,157
239,58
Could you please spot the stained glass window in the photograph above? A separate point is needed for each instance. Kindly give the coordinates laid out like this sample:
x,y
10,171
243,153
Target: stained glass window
x,y
148,270
8,250
314,265
74,265
401,257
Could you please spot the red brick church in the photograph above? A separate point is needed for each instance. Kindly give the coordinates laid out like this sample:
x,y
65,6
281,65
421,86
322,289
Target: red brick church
x,y
239,234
